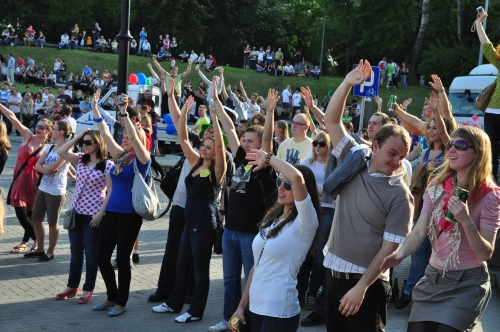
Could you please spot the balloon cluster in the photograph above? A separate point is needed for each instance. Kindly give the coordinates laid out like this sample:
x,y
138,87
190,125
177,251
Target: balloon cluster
x,y
139,78
170,129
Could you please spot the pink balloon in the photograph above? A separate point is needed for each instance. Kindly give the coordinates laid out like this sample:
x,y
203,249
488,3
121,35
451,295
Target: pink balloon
x,y
133,79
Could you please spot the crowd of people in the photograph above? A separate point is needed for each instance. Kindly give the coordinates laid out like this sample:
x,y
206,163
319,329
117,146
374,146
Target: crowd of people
x,y
314,220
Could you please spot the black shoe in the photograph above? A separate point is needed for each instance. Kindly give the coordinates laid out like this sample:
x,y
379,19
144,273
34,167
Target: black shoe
x,y
34,254
403,301
135,258
157,297
313,319
189,299
45,258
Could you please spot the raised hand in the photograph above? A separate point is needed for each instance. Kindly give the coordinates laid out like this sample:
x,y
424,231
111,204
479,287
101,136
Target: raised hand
x,y
436,83
433,101
97,95
482,17
257,158
407,102
170,87
378,100
215,81
359,74
307,95
272,100
187,105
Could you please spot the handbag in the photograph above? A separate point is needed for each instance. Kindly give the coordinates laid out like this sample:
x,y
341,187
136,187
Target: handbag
x,y
69,215
169,182
144,198
484,97
21,169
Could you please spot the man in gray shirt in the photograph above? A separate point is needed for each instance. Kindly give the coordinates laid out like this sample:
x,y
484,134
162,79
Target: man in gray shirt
x,y
373,216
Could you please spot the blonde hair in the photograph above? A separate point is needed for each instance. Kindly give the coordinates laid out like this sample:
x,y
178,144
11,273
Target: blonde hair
x,y
479,171
140,134
146,122
322,136
4,139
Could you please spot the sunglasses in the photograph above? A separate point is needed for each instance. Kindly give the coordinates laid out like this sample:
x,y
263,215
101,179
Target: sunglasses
x,y
460,145
88,142
321,144
40,127
287,185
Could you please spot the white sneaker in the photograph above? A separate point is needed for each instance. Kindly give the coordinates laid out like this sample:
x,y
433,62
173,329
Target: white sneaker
x,y
219,327
186,318
162,308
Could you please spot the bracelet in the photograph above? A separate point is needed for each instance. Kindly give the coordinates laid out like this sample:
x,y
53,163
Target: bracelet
x,y
439,91
124,115
98,119
268,158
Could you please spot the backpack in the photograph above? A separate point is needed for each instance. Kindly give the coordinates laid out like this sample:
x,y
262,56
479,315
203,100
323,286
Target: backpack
x,y
169,182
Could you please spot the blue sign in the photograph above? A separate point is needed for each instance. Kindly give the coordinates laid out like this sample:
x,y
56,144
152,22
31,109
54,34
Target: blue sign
x,y
370,87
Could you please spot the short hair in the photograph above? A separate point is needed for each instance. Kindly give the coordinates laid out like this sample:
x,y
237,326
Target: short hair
x,y
389,130
243,121
385,118
67,110
256,95
132,111
259,130
203,106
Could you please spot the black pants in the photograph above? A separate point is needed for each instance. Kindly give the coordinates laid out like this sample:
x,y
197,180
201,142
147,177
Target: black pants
x,y
491,126
168,270
24,217
196,249
263,323
120,230
372,315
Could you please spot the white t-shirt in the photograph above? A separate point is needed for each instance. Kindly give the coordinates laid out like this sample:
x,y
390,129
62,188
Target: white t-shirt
x,y
54,184
19,99
146,46
273,291
255,108
286,96
319,173
69,93
72,123
261,55
289,69
194,56
45,97
179,198
296,98
293,152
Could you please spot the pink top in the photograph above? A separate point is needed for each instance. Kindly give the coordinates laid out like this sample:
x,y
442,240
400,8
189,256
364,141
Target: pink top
x,y
485,214
95,190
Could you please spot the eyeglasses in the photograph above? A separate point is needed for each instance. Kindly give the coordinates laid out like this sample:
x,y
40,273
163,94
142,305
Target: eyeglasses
x,y
460,145
287,185
298,124
88,142
321,144
40,127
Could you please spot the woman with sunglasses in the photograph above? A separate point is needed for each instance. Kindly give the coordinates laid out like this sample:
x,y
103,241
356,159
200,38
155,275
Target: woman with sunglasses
x,y
51,193
24,186
203,184
454,293
316,270
89,200
120,224
286,235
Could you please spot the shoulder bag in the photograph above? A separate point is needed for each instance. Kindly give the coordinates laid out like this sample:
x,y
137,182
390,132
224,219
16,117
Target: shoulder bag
x,y
69,216
484,97
144,198
21,169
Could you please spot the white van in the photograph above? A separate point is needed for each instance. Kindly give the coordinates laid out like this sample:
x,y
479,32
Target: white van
x,y
167,143
464,91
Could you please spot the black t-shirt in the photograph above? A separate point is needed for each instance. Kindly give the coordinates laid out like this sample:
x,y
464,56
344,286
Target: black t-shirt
x,y
150,102
249,200
65,97
76,101
62,68
299,58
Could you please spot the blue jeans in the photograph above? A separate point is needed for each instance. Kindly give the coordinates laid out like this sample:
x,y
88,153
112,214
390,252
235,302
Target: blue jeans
x,y
237,250
61,46
40,42
148,51
419,261
83,238
140,45
403,80
9,41
297,67
73,44
318,270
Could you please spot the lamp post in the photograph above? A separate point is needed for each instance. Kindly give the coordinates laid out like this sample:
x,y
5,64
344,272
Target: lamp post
x,y
480,61
124,38
322,44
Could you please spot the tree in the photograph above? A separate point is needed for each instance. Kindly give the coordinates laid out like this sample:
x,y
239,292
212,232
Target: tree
x,y
419,42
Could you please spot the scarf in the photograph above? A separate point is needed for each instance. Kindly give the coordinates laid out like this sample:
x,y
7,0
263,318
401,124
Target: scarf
x,y
124,159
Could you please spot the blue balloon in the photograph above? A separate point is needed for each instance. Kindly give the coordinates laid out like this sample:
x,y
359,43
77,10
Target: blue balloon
x,y
171,129
167,118
141,78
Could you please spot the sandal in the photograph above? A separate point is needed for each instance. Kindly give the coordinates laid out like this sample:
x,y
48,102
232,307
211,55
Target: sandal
x,y
19,248
32,249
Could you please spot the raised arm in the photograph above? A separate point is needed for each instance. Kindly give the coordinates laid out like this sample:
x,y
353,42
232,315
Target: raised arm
x,y
269,104
188,69
220,153
113,147
192,156
26,132
258,158
153,73
334,111
65,150
479,27
228,126
203,77
444,104
308,100
432,103
243,92
158,66
223,90
139,148
413,124
314,132
175,112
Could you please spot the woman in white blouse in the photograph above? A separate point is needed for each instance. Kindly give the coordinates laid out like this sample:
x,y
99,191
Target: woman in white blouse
x,y
286,235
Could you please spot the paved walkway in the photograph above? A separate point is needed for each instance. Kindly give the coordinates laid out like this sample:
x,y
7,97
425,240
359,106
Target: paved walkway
x,y
28,287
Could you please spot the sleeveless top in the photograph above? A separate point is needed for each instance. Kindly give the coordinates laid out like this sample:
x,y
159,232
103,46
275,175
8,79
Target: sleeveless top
x,y
200,202
437,158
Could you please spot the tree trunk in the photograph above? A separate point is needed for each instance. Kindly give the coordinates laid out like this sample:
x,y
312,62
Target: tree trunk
x,y
459,22
419,42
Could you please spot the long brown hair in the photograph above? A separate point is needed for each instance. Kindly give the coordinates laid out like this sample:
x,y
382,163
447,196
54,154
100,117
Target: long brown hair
x,y
449,126
277,209
101,151
479,171
200,161
4,139
283,125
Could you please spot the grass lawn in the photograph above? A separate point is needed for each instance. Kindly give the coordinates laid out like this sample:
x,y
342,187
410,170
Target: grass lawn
x,y
253,81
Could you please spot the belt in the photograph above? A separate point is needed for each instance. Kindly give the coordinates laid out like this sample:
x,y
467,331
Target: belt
x,y
347,276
